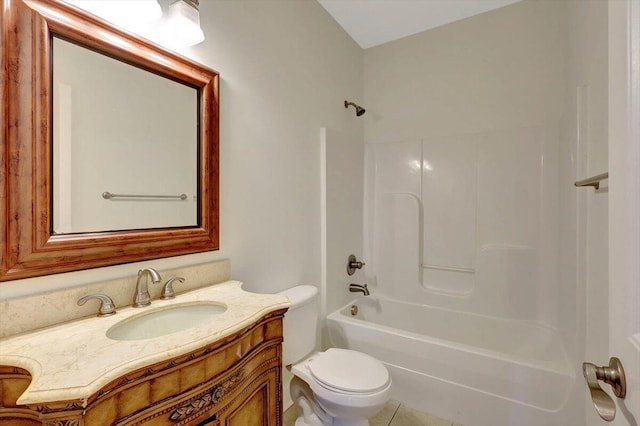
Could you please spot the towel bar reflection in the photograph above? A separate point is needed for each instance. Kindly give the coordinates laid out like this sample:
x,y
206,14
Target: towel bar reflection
x,y
593,180
108,196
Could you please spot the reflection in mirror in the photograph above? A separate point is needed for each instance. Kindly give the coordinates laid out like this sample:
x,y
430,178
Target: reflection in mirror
x,y
126,131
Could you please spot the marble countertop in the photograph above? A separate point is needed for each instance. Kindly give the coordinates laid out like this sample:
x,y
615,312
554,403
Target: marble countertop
x,y
72,361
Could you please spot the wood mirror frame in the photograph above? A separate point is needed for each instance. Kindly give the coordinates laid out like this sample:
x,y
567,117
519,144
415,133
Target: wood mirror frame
x,y
28,246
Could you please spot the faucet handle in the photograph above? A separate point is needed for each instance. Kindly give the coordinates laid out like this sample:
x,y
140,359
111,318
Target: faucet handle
x,y
167,290
353,264
107,307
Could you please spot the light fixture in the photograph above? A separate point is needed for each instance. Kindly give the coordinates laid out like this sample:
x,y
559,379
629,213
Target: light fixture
x,y
133,15
183,23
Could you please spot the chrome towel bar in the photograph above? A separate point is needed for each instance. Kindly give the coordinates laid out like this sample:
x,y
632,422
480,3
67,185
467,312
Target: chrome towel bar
x,y
593,180
109,196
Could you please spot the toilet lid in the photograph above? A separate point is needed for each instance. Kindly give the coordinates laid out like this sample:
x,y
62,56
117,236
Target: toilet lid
x,y
348,371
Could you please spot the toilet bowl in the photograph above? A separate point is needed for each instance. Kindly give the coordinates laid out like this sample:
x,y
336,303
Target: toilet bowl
x,y
348,386
335,387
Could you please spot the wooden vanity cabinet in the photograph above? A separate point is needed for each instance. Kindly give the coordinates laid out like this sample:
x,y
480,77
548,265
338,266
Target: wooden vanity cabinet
x,y
235,381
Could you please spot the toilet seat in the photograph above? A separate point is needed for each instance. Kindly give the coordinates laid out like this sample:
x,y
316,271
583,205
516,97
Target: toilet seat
x,y
349,372
361,395
330,394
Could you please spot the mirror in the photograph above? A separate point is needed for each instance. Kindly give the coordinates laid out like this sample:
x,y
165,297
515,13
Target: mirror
x,y
124,145
109,150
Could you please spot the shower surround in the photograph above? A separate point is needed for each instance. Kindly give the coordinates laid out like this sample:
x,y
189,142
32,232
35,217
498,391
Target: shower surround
x,y
462,233
466,222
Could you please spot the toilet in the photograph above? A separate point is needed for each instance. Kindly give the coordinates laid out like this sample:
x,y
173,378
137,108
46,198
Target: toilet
x,y
335,387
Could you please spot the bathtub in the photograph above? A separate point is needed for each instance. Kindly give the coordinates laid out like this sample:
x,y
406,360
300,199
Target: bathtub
x,y
468,368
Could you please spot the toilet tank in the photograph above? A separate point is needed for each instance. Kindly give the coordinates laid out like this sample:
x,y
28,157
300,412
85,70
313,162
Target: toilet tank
x,y
300,323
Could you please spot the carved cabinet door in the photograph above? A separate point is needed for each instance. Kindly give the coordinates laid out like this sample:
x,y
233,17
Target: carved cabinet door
x,y
256,405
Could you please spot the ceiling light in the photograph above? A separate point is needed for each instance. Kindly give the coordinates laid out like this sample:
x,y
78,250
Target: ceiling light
x,y
183,23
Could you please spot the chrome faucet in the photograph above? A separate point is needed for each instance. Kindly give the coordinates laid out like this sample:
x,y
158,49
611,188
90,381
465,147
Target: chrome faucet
x,y
142,297
359,288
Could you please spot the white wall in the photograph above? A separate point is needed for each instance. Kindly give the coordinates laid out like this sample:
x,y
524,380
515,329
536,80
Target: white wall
x,y
286,68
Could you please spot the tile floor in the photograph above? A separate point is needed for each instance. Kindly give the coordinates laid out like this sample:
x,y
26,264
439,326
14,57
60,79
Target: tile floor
x,y
393,414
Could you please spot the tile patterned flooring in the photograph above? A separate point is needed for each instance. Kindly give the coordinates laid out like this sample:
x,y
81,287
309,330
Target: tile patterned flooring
x,y
393,414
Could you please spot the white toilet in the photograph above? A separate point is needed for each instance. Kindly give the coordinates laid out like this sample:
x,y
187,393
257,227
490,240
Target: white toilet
x,y
335,387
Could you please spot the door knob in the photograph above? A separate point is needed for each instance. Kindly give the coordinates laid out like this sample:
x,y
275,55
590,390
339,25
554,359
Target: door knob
x,y
612,375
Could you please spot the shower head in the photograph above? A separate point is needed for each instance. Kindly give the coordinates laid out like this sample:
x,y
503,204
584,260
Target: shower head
x,y
359,110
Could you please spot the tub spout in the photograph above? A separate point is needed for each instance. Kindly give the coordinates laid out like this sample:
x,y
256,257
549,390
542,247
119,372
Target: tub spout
x,y
359,288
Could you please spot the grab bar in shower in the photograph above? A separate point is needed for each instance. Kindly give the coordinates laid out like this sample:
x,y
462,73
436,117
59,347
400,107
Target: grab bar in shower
x,y
108,196
448,268
593,180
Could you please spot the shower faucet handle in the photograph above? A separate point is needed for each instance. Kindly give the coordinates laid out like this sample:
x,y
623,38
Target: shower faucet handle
x,y
353,264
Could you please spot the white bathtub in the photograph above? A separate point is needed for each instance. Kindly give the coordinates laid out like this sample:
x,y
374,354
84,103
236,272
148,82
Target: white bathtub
x,y
468,368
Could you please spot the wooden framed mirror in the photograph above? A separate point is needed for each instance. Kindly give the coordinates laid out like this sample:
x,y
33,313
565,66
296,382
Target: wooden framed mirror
x,y
30,244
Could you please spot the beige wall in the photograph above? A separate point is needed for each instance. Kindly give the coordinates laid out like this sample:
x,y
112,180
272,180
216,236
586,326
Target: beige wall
x,y
343,183
286,68
499,70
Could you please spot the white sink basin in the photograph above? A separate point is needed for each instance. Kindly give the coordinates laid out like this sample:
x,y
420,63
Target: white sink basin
x,y
165,321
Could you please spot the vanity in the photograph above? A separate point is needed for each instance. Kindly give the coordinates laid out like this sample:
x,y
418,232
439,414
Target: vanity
x,y
223,370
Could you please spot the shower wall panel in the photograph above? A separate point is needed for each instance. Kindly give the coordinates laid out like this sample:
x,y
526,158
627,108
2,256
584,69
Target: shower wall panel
x,y
466,221
449,190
